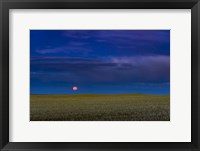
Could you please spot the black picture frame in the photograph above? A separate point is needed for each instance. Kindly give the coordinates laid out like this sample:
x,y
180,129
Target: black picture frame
x,y
5,5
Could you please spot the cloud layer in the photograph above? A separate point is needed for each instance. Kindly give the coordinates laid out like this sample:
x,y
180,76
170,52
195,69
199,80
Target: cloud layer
x,y
101,70
93,42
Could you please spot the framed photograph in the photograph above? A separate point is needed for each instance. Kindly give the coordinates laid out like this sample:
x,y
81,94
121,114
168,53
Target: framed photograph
x,y
99,75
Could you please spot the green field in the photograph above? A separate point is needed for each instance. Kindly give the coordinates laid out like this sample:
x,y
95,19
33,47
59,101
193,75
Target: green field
x,y
120,107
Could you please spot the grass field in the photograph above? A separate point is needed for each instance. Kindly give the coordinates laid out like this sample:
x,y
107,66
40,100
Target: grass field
x,y
120,107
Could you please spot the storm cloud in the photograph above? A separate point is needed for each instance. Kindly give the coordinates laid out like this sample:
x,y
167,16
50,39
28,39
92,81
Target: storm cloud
x,y
110,69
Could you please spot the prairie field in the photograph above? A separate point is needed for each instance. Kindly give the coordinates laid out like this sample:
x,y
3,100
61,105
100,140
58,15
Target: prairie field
x,y
97,107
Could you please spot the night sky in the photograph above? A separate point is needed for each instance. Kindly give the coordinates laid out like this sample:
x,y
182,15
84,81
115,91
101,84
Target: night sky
x,y
100,61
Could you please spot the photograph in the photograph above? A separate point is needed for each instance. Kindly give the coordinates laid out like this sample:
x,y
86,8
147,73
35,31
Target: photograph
x,y
100,75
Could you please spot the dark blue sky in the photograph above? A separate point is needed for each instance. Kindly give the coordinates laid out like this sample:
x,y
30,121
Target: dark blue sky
x,y
100,61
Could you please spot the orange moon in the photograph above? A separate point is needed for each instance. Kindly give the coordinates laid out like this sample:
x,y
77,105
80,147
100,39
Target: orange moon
x,y
75,88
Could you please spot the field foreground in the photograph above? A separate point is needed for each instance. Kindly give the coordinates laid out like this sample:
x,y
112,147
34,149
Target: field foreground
x,y
119,107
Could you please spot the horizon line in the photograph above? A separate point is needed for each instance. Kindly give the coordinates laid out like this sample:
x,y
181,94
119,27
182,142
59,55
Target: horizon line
x,y
103,94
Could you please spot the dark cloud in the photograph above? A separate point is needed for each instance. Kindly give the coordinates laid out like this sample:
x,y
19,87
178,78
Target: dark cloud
x,y
133,42
136,41
111,69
